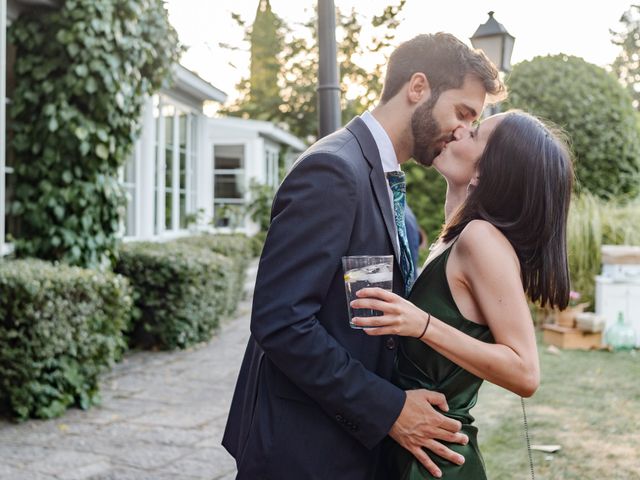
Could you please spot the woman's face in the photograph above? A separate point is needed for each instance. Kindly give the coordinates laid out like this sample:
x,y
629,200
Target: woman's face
x,y
458,160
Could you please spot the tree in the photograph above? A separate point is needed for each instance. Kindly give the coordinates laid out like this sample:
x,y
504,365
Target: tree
x,y
298,66
627,65
594,109
261,91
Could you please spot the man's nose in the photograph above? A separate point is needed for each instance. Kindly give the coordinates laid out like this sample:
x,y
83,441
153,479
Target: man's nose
x,y
460,132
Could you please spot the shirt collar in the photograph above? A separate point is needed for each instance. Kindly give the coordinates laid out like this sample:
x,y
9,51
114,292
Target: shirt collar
x,y
383,142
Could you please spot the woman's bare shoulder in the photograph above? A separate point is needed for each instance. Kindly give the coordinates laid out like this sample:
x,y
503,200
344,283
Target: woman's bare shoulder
x,y
483,242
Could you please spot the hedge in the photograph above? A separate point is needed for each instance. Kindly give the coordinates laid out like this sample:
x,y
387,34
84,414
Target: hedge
x,y
60,327
238,248
182,288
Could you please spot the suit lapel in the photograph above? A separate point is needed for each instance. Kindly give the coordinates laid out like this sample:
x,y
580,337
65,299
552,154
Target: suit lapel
x,y
378,180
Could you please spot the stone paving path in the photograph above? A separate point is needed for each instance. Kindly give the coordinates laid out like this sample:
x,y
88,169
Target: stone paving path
x,y
162,417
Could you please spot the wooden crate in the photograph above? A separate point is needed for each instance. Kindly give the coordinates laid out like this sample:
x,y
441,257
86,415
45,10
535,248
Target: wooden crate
x,y
570,338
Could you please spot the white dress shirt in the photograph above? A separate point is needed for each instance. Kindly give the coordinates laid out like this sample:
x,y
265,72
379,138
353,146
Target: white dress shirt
x,y
387,153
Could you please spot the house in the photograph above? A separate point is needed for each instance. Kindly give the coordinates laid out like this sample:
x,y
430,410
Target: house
x,y
246,150
186,170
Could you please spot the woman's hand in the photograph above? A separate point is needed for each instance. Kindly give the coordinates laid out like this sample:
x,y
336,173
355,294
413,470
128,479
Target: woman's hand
x,y
400,317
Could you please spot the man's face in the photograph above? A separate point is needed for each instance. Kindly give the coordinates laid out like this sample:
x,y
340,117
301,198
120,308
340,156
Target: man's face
x,y
435,120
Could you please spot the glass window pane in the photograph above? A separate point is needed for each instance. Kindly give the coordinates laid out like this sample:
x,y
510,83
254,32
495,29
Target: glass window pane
x,y
168,171
228,186
167,112
182,133
183,210
130,169
130,221
183,170
167,209
228,157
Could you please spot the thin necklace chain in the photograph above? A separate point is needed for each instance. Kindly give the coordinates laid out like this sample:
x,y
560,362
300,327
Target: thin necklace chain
x,y
526,436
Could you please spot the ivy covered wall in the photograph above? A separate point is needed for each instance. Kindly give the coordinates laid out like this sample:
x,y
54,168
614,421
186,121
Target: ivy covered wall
x,y
82,75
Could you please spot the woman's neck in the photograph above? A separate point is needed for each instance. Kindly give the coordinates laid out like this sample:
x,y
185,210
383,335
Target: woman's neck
x,y
455,196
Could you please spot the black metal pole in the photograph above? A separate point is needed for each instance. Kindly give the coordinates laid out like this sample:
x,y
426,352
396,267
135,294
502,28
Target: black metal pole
x,y
328,86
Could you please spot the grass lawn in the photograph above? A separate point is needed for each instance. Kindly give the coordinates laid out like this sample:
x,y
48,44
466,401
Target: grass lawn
x,y
588,402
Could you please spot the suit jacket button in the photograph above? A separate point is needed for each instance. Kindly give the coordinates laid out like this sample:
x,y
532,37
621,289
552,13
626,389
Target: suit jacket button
x,y
340,418
391,343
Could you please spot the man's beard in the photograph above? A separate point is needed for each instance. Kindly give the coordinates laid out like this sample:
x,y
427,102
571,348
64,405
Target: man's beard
x,y
426,133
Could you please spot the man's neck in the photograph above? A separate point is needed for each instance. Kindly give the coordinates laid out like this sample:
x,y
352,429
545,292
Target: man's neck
x,y
398,127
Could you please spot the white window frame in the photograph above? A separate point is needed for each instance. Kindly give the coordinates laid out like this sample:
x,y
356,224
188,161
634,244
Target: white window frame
x,y
4,247
191,157
271,157
243,171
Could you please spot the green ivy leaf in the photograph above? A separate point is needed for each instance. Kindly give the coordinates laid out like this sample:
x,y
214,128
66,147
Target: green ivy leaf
x,y
53,124
81,70
81,133
102,151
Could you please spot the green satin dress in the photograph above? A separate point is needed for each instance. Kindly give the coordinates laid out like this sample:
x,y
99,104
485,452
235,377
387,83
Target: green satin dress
x,y
419,366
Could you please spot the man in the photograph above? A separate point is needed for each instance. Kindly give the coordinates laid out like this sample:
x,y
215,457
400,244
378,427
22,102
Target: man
x,y
313,399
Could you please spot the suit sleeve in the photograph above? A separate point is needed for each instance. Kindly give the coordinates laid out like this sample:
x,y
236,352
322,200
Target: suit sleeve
x,y
312,221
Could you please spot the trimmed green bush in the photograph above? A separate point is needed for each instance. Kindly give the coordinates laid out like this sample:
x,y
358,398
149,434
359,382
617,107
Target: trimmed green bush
x,y
257,243
594,109
426,191
180,292
239,249
60,327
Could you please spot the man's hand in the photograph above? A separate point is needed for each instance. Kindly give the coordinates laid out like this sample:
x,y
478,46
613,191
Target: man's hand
x,y
420,425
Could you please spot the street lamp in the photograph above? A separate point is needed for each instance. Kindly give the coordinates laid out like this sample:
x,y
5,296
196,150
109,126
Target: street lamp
x,y
494,40
328,83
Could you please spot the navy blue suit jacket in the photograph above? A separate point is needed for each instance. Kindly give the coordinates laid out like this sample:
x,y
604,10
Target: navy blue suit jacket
x,y
313,400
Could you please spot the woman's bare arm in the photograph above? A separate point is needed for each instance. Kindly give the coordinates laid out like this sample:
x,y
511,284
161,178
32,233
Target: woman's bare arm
x,y
491,272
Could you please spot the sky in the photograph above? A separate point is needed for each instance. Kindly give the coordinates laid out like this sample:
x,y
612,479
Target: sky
x,y
541,27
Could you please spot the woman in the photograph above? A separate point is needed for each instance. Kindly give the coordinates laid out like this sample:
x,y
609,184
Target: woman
x,y
509,186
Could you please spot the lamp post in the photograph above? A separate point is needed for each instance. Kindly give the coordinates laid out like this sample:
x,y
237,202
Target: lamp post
x,y
328,85
497,43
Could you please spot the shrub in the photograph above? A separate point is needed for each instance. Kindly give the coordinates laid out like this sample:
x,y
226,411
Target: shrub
x,y
180,292
238,248
426,191
60,327
257,243
594,109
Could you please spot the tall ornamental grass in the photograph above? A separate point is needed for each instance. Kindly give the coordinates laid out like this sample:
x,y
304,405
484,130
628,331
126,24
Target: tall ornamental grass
x,y
594,222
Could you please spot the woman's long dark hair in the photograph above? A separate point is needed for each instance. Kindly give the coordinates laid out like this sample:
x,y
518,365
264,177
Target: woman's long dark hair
x,y
526,177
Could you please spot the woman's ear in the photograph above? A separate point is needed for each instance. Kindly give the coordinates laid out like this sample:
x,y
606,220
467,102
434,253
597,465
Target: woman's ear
x,y
476,178
473,183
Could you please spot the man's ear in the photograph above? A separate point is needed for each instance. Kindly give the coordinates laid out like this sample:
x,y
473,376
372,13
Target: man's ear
x,y
418,88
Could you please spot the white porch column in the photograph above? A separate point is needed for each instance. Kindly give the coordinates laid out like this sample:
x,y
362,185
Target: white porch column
x,y
147,173
3,96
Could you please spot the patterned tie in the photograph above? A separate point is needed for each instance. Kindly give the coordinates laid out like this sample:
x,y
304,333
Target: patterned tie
x,y
399,189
